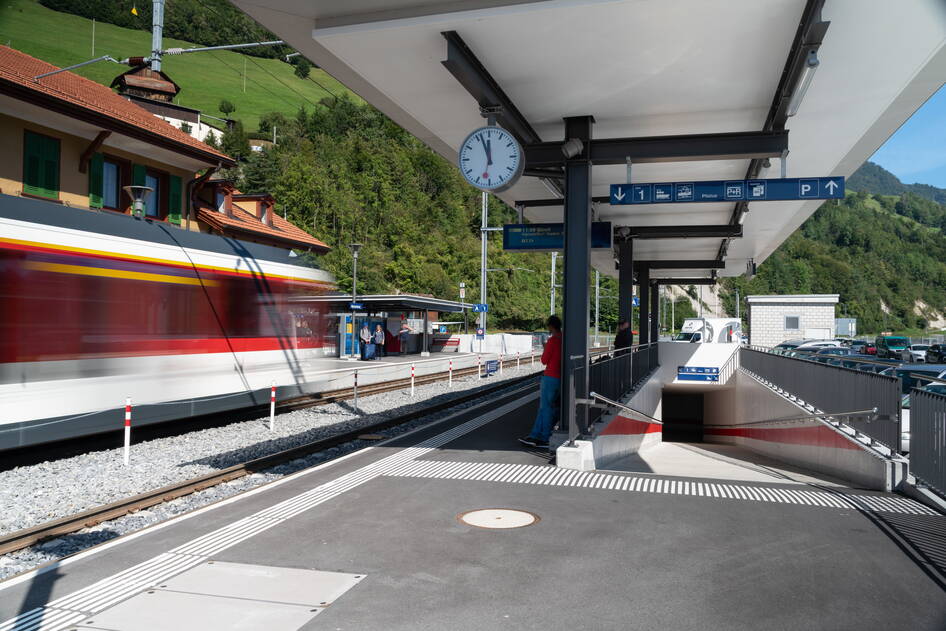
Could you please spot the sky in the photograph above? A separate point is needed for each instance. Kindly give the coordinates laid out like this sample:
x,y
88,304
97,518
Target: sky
x,y
916,153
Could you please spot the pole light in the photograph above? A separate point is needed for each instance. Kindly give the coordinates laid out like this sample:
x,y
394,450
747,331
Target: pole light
x,y
137,195
355,248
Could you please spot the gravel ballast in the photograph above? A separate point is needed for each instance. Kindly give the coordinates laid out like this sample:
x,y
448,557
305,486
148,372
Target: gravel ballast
x,y
42,492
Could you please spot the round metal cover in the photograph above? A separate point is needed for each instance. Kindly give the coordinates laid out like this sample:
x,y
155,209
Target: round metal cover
x,y
498,518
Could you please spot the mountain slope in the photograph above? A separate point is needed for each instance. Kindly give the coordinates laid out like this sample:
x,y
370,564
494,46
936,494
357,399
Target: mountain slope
x,y
873,178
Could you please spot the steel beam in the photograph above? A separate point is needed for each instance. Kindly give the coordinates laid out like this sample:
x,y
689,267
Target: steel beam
x,y
680,264
684,148
625,279
537,203
683,232
684,281
655,311
574,384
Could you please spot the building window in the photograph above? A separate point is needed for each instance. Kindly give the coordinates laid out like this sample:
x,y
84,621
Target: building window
x,y
40,165
153,199
792,323
111,184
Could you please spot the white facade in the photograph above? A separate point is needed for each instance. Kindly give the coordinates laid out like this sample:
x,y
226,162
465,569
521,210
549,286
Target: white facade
x,y
199,130
774,319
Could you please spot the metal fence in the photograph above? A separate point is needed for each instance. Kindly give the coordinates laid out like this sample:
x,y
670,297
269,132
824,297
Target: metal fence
x,y
615,373
928,438
834,389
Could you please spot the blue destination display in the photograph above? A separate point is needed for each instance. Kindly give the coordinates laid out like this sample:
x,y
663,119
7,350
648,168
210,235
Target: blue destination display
x,y
551,236
728,191
697,373
356,306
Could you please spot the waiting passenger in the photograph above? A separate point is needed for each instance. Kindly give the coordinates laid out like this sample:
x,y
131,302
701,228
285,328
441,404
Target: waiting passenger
x,y
625,337
379,342
549,390
365,336
402,336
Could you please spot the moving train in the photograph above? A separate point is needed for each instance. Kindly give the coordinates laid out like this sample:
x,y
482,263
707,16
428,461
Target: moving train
x,y
99,307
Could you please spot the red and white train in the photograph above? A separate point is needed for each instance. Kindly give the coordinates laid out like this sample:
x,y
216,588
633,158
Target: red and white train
x,y
99,307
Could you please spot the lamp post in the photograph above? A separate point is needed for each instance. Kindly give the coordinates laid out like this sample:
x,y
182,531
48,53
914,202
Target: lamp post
x,y
355,248
137,195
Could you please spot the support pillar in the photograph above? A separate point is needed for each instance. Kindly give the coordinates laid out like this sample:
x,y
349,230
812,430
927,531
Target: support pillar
x,y
643,282
625,280
577,263
655,312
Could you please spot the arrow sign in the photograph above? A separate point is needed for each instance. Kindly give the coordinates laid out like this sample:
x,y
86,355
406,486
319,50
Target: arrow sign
x,y
480,308
769,190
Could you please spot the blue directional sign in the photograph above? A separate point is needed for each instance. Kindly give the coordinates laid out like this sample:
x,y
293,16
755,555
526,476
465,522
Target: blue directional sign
x,y
356,306
728,191
697,373
635,301
551,236
480,333
480,308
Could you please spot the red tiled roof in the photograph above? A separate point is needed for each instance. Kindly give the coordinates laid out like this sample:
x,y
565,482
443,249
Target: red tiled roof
x,y
243,220
17,70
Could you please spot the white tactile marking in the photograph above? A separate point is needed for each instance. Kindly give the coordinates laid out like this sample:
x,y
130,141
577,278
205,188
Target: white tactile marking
x,y
67,610
542,475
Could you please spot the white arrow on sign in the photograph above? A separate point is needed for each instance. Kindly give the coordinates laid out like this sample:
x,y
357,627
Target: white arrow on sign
x,y
619,195
831,186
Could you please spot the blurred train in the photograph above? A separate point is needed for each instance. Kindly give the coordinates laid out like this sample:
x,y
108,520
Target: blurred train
x,y
96,307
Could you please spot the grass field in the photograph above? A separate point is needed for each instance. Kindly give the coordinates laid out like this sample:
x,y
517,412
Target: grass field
x,y
205,78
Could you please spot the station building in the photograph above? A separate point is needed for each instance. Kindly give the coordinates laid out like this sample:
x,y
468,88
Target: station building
x,y
774,319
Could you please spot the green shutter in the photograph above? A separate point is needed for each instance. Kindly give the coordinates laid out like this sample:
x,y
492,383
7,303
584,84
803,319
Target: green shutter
x,y
40,165
96,177
138,174
174,199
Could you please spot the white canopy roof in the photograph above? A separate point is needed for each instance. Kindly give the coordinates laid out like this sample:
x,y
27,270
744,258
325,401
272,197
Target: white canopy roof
x,y
641,68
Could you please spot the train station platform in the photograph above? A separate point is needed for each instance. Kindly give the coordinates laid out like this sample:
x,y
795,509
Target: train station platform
x,y
689,537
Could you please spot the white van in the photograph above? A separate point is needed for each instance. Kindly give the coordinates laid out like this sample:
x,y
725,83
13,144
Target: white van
x,y
710,331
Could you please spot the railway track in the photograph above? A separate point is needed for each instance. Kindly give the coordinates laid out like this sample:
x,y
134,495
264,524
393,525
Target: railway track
x,y
67,525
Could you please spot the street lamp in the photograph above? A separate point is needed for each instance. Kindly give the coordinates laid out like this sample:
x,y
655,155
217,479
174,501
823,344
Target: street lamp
x,y
137,195
355,247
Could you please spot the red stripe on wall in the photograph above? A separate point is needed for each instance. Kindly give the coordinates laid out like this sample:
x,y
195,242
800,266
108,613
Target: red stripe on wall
x,y
623,425
171,346
809,435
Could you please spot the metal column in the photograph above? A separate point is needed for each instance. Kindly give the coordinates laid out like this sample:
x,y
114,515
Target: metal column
x,y
577,264
643,282
654,312
625,279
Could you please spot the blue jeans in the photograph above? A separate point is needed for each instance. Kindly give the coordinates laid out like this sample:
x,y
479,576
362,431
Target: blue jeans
x,y
548,408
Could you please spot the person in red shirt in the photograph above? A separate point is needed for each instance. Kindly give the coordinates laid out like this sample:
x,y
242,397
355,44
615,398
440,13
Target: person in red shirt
x,y
549,390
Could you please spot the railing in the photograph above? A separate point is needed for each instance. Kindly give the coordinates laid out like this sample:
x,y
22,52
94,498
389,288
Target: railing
x,y
615,373
928,439
832,388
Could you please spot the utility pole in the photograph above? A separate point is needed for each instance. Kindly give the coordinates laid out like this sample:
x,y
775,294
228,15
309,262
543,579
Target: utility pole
x,y
483,244
552,285
93,37
244,74
737,305
157,30
673,315
597,307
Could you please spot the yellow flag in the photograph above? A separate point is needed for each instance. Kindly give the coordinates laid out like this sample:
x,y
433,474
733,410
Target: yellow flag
x,y
134,10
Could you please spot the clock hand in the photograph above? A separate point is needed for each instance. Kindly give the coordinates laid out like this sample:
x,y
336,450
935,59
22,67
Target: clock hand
x,y
489,152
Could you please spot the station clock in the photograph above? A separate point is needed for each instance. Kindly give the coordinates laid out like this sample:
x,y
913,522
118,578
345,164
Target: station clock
x,y
491,159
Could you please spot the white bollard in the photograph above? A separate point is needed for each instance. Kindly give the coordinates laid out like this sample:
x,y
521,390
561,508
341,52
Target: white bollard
x,y
412,379
517,361
272,406
355,390
127,430
479,371
450,375
500,364
532,358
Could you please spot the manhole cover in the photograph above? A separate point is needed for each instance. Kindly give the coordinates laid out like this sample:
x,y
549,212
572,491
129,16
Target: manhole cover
x,y
498,518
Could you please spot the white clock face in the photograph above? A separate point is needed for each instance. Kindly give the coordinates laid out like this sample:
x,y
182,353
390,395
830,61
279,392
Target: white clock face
x,y
491,159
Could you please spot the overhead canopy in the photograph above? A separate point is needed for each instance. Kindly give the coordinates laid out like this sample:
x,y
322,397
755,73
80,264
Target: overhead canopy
x,y
387,303
643,69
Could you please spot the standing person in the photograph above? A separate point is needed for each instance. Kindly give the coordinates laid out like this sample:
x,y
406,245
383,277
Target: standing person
x,y
402,336
365,336
379,342
625,337
551,384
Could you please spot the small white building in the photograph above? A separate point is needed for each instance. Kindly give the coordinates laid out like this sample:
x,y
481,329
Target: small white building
x,y
774,319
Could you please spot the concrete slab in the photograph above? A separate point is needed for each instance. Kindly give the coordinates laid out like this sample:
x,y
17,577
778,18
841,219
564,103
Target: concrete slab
x,y
721,462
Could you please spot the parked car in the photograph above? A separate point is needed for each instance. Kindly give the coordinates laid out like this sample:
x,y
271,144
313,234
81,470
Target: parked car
x,y
816,344
936,353
914,353
891,345
787,345
905,372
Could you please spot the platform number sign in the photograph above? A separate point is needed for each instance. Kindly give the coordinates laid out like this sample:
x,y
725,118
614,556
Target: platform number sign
x,y
491,159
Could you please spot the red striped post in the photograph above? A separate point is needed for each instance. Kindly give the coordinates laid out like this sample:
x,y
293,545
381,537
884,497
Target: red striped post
x,y
272,406
532,358
127,430
412,378
450,375
355,397
479,371
500,364
517,361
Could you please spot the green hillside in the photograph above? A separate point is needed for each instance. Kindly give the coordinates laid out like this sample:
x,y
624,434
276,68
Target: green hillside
x,y
205,78
873,178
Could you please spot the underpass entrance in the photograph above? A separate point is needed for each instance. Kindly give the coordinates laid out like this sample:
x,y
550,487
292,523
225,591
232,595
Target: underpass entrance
x,y
682,417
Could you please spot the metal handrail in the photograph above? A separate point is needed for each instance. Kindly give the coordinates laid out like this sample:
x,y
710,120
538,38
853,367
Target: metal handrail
x,y
870,414
615,404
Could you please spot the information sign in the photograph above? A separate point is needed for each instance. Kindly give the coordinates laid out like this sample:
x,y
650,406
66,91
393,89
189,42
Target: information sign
x,y
480,333
635,301
356,306
697,373
728,191
550,237
480,308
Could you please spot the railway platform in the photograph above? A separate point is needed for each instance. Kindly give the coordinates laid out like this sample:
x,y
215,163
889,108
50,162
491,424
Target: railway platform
x,y
698,537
